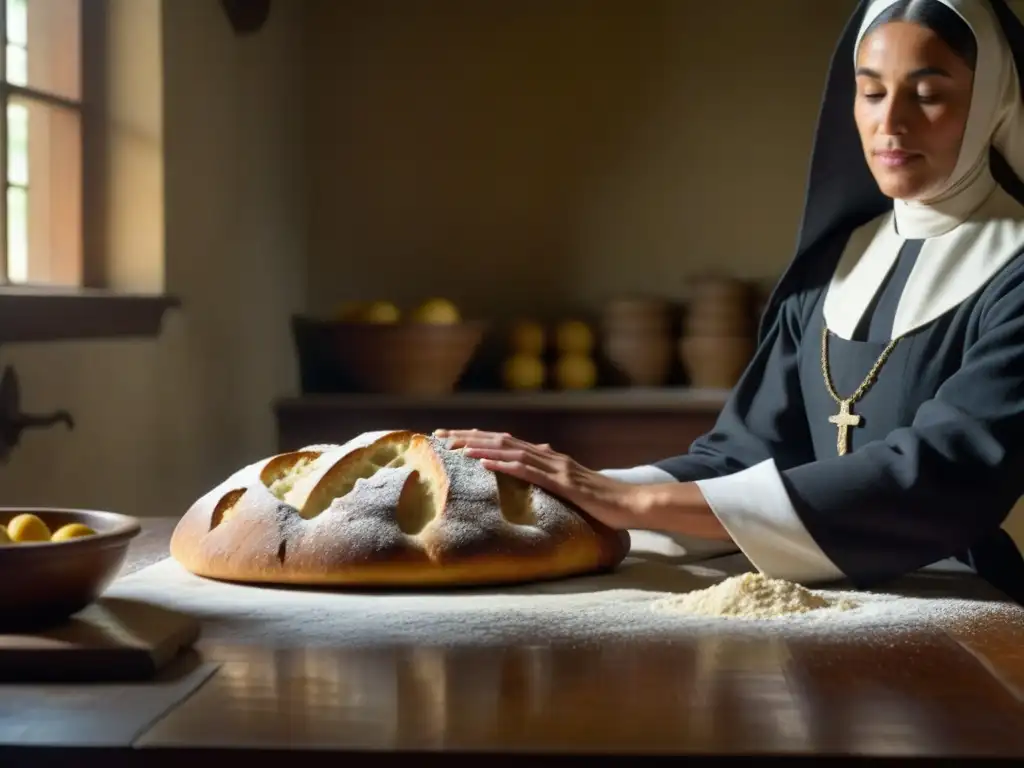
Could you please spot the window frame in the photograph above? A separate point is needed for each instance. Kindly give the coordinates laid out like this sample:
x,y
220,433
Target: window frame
x,y
33,313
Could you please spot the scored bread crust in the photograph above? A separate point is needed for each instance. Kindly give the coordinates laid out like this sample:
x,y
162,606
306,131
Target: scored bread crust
x,y
392,508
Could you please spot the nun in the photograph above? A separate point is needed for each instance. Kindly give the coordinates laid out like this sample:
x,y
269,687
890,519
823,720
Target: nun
x,y
879,427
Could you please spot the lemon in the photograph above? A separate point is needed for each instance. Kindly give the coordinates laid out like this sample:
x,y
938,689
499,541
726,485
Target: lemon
x,y
575,372
27,527
527,338
381,313
523,372
574,337
72,531
436,312
349,311
4,538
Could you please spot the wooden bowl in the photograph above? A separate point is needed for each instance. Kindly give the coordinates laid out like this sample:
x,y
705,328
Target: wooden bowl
x,y
43,583
404,358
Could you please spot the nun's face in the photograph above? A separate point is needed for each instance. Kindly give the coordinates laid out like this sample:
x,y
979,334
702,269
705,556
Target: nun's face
x,y
913,97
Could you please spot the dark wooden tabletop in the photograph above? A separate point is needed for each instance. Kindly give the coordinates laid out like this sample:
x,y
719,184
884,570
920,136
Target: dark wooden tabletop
x,y
938,691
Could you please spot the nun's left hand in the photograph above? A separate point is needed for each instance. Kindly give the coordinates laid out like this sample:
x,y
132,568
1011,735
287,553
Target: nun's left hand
x,y
614,503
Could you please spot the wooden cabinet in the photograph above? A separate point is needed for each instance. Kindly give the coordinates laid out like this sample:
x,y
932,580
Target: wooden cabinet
x,y
600,429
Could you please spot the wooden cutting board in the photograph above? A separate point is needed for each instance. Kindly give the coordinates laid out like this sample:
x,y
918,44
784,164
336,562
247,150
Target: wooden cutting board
x,y
112,639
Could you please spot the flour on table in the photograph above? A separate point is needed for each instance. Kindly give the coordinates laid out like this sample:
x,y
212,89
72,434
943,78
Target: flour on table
x,y
613,607
750,596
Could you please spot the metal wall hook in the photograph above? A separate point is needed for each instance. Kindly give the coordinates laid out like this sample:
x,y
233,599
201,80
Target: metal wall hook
x,y
13,422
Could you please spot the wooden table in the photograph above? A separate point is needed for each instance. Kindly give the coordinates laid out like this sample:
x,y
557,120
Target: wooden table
x,y
934,693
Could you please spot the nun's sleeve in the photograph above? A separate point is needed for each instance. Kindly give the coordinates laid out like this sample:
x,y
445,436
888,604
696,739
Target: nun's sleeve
x,y
934,488
762,428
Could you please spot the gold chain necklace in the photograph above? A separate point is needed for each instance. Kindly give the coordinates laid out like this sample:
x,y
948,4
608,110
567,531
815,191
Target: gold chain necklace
x,y
845,419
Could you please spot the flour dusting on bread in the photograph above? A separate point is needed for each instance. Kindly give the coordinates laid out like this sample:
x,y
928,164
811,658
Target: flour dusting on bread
x,y
387,508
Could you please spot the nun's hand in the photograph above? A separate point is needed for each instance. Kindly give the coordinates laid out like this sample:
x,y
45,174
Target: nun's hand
x,y
614,503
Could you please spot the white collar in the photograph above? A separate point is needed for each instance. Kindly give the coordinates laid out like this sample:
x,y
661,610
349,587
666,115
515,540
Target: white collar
x,y
950,268
920,220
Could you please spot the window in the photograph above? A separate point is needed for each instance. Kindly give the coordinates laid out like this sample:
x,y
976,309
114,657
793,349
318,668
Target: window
x,y
41,83
51,286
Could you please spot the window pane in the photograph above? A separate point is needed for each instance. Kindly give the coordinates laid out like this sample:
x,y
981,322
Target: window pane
x,y
44,219
17,235
17,22
17,65
17,144
49,35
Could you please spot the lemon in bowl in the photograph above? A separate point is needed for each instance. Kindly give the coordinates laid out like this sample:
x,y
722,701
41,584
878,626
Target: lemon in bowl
x,y
54,562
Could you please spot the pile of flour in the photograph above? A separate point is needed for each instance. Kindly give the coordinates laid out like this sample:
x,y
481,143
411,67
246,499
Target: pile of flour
x,y
750,596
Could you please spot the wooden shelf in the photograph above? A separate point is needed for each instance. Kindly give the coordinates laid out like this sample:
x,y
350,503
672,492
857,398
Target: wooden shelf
x,y
53,314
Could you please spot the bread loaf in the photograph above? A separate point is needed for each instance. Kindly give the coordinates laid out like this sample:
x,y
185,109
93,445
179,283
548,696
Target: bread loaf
x,y
391,508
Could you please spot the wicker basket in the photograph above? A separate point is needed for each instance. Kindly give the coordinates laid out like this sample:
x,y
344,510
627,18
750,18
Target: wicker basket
x,y
398,359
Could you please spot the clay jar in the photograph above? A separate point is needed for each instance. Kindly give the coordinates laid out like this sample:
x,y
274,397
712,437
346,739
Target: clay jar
x,y
715,363
718,332
637,339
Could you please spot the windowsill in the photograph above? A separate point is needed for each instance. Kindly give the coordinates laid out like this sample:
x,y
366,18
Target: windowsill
x,y
56,314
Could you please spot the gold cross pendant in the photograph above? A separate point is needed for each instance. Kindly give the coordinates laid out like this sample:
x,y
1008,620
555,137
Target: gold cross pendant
x,y
843,421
